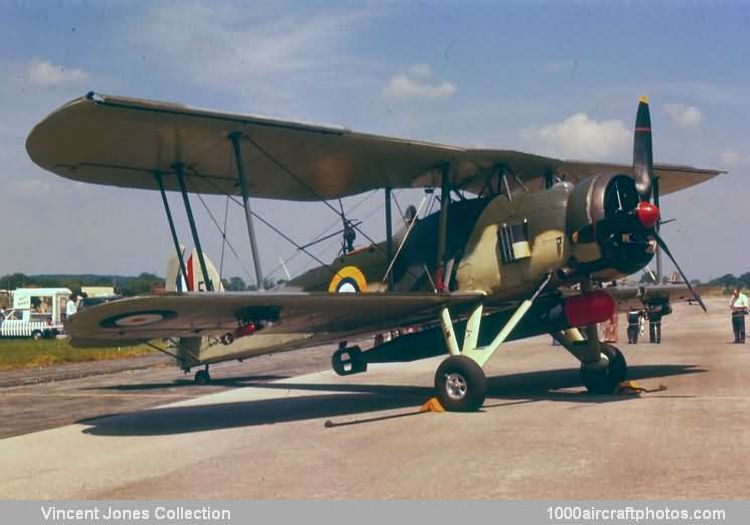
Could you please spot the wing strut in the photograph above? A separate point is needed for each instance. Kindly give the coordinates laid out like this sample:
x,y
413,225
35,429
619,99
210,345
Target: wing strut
x,y
445,198
388,234
179,169
235,138
170,220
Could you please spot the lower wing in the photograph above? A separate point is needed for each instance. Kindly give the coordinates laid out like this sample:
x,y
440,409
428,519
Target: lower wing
x,y
129,321
628,297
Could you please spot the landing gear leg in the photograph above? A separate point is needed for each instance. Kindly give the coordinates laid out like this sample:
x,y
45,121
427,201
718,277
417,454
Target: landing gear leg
x,y
202,377
605,380
600,375
460,382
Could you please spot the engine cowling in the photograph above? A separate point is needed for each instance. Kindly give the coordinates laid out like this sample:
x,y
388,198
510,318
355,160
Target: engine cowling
x,y
610,227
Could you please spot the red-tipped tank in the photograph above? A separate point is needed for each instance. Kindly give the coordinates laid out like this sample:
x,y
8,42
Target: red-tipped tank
x,y
647,213
594,307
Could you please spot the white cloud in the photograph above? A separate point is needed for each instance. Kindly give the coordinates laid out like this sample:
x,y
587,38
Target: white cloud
x,y
415,83
733,159
581,137
420,70
234,49
43,73
686,116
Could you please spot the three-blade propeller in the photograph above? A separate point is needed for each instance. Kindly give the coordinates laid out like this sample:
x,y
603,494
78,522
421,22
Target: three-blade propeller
x,y
643,173
642,217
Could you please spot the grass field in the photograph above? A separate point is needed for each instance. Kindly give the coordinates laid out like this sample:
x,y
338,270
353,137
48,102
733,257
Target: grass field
x,y
24,353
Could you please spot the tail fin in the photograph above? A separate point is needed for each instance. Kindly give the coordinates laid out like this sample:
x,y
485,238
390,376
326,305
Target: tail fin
x,y
176,282
188,349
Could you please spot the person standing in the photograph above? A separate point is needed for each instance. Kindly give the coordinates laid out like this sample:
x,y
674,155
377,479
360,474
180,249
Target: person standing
x,y
655,312
634,325
349,237
739,307
71,307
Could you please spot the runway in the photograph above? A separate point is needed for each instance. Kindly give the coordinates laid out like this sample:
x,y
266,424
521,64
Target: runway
x,y
262,435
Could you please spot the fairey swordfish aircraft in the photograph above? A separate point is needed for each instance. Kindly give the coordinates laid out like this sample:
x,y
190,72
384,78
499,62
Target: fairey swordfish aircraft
x,y
519,247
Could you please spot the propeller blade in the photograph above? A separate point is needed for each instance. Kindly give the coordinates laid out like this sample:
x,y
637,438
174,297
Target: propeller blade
x,y
643,160
663,246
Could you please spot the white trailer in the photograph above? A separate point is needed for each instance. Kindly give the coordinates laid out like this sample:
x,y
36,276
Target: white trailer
x,y
36,313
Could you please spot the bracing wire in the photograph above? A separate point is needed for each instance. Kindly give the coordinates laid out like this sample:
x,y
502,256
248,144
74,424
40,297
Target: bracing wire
x,y
312,191
322,234
269,225
229,244
289,172
223,239
398,207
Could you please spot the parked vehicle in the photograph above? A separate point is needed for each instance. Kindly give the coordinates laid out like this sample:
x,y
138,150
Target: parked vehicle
x,y
88,302
36,313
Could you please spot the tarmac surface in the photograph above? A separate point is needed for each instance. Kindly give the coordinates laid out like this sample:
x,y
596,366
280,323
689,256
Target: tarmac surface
x,y
260,431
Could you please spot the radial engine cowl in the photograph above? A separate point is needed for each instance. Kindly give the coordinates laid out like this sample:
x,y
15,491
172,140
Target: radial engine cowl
x,y
598,197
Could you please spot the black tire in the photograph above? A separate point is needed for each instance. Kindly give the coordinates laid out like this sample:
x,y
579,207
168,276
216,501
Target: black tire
x,y
227,339
202,377
36,335
348,361
460,384
606,381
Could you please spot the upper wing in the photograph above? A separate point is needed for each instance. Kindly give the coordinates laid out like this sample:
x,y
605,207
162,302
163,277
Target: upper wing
x,y
121,141
212,314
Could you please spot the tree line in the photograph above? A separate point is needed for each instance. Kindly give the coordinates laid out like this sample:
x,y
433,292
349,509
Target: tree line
x,y
126,285
728,281
148,282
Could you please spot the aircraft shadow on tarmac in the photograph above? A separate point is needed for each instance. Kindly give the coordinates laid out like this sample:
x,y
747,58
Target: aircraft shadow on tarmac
x,y
230,381
342,399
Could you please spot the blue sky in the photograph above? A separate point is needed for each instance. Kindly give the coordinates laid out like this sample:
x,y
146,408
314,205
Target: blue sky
x,y
556,78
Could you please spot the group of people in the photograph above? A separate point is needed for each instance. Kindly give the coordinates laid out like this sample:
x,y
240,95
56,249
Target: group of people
x,y
637,318
41,305
739,307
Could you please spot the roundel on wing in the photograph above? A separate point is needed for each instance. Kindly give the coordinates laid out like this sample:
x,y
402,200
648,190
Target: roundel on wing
x,y
136,319
348,279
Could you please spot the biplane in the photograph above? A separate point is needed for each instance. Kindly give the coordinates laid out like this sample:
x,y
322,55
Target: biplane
x,y
520,245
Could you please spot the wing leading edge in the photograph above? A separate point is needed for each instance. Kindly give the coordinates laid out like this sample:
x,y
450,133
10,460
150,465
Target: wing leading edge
x,y
120,141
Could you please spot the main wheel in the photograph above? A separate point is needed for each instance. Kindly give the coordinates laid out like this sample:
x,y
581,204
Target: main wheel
x,y
460,384
202,377
607,380
36,335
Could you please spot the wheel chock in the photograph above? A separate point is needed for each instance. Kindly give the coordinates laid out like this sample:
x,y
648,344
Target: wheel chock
x,y
432,405
632,388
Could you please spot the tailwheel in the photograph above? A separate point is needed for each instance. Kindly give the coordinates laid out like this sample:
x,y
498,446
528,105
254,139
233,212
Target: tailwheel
x,y
460,384
202,377
348,360
606,380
